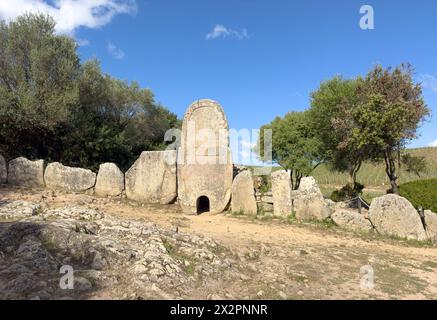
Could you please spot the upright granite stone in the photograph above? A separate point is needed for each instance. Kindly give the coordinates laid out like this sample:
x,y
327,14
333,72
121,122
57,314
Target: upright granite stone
x,y
152,178
308,201
110,180
395,216
60,177
281,189
3,170
431,225
205,167
26,173
243,193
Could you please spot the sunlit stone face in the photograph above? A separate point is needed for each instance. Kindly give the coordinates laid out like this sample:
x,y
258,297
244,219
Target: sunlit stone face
x,y
204,159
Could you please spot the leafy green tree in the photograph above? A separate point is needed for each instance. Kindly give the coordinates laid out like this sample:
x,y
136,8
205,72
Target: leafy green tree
x,y
55,108
371,118
38,87
294,145
331,111
390,110
115,121
415,164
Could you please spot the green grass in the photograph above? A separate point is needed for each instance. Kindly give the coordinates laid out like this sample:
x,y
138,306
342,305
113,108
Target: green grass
x,y
373,175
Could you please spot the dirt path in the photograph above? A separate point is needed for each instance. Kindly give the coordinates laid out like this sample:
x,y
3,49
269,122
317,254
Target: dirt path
x,y
290,261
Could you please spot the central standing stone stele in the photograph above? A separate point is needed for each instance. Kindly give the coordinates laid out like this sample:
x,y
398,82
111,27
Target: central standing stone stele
x,y
205,169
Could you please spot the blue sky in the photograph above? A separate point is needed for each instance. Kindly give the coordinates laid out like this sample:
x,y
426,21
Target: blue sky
x,y
257,58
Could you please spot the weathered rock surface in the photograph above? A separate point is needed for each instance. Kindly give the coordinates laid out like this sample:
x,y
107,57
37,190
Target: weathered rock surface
x,y
351,220
243,193
3,170
281,189
18,210
110,180
60,177
395,216
308,201
129,258
152,178
205,169
431,225
26,173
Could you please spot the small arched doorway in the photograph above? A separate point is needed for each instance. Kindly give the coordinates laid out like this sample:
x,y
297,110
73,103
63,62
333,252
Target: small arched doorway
x,y
202,204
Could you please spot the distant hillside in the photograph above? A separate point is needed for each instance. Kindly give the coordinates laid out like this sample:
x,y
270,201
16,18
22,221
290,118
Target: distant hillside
x,y
373,175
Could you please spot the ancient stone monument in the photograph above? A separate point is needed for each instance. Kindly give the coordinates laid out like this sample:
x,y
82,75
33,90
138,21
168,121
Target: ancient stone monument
x,y
110,180
281,189
395,216
152,178
26,173
60,177
205,169
308,201
243,194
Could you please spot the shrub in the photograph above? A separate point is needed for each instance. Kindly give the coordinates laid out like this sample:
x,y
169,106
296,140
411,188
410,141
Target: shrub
x,y
421,193
265,185
347,192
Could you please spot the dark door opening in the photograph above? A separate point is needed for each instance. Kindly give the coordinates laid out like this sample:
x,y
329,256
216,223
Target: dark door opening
x,y
202,204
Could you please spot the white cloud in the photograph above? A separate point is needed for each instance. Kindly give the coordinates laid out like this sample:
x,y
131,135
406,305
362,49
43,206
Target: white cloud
x,y
69,14
433,144
224,32
83,42
429,82
114,51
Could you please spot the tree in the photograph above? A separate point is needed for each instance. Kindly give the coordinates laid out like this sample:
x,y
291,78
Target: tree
x,y
53,107
115,121
415,164
370,118
331,112
294,145
390,110
38,88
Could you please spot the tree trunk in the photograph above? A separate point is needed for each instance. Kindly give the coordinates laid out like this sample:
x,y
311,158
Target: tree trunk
x,y
298,178
394,186
390,170
292,179
353,172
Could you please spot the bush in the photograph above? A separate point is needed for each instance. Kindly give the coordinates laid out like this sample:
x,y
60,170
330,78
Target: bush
x,y
347,192
421,193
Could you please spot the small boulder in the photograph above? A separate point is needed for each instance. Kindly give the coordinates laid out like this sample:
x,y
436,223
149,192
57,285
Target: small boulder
x,y
60,177
351,220
3,170
308,201
431,225
281,190
110,180
395,216
243,193
26,173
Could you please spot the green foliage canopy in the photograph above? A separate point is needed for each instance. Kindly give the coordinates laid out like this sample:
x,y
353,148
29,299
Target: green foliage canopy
x,y
55,108
371,118
294,144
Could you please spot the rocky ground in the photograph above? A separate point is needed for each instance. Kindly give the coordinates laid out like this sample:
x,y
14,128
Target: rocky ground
x,y
124,250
